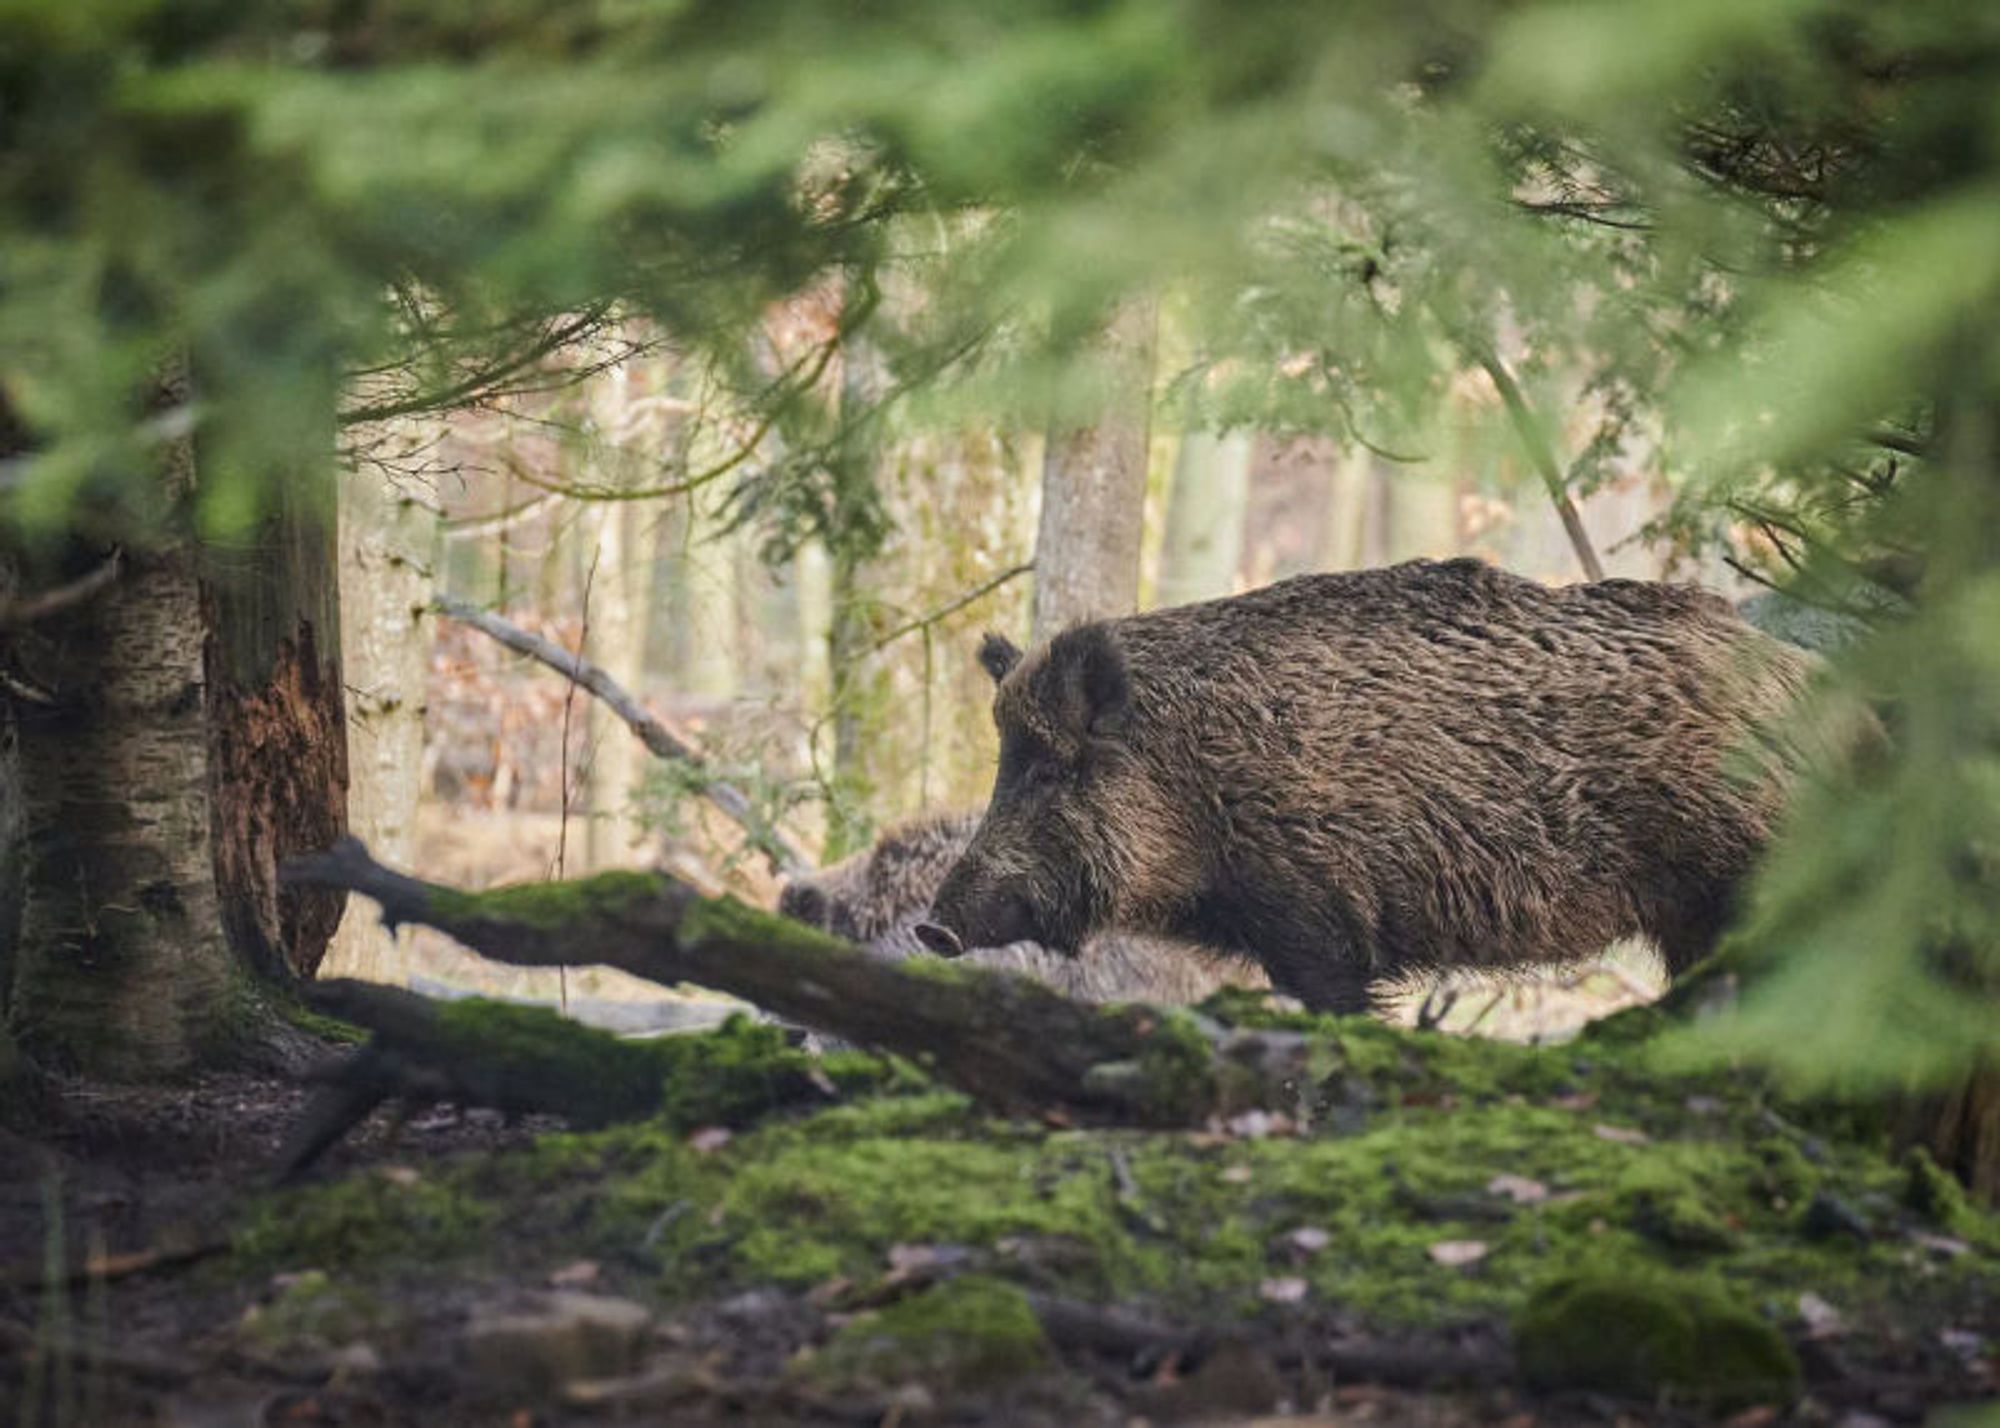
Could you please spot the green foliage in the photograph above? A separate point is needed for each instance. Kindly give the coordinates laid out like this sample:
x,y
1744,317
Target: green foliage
x,y
1757,232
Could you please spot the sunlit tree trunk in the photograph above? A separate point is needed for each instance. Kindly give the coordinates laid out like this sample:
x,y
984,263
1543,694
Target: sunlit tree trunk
x,y
1343,531
1087,544
388,553
1205,514
620,597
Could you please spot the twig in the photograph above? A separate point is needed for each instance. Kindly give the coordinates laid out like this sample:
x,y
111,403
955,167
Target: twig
x,y
15,613
785,856
946,611
467,527
1541,455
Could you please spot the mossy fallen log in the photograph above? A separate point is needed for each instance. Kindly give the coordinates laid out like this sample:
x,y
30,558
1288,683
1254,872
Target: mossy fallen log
x,y
1012,1044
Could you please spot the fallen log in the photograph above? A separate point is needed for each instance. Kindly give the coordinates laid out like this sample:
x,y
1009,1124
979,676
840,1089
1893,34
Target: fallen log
x,y
1010,1043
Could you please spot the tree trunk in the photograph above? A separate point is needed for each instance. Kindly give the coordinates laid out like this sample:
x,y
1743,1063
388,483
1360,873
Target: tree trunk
x,y
1342,533
388,555
277,726
122,965
1205,514
618,602
1094,490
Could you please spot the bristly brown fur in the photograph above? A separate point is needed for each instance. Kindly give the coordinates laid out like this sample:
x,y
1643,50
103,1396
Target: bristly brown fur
x,y
878,896
1361,776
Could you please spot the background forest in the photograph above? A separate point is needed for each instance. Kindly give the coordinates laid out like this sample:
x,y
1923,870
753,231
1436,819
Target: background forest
x,y
763,354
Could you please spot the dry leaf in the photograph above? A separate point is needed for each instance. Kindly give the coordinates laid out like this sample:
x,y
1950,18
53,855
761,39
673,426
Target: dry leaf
x,y
1518,1188
709,1138
1237,1175
1624,1135
582,1271
1288,1289
1460,1252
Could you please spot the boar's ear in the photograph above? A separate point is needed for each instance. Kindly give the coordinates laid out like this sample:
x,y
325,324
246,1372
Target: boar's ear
x,y
1093,690
998,655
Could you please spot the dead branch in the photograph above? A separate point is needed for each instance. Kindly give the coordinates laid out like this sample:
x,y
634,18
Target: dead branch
x,y
1541,455
25,611
662,742
952,607
1012,1043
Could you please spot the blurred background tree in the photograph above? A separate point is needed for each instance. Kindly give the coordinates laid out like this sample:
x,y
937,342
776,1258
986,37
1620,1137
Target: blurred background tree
x,y
1455,261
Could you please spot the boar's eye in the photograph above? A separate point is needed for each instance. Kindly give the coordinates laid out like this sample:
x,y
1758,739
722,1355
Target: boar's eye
x,y
1025,761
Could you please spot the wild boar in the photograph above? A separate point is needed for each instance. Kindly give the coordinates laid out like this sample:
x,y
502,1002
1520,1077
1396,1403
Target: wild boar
x,y
1362,777
878,896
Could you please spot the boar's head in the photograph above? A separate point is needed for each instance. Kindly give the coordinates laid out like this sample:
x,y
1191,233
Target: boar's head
x,y
1076,834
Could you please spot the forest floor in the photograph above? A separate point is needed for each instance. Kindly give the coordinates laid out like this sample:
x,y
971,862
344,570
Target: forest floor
x,y
1443,1230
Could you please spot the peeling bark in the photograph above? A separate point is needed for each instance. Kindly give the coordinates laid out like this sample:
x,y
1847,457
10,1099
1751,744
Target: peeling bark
x,y
277,722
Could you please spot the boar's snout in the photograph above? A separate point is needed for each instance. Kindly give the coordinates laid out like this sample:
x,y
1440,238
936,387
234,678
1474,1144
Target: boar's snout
x,y
940,940
980,918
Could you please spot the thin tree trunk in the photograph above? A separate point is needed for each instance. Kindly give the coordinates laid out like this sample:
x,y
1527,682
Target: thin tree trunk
x,y
389,546
617,642
1341,535
1205,515
1094,490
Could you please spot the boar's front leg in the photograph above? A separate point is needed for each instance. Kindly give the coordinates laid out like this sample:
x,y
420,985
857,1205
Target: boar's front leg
x,y
1326,979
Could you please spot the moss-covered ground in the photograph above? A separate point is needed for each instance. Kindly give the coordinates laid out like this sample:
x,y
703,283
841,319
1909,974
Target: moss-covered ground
x,y
1644,1230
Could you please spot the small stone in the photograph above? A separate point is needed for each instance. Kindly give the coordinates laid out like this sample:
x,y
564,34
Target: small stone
x,y
1828,1215
1822,1320
1237,1175
709,1139
560,1338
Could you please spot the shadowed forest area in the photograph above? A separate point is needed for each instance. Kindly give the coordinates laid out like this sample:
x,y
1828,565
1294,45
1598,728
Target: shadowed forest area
x,y
1109,712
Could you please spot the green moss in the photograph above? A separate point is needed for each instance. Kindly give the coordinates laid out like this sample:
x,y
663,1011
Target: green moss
x,y
326,1028
1177,1070
553,906
1933,1192
1651,1336
971,1332
1674,1208
367,1220
516,1056
314,1313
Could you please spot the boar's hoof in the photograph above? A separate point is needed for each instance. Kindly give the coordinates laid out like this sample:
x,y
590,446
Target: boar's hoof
x,y
941,940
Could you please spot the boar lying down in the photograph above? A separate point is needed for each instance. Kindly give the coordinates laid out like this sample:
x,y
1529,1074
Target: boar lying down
x,y
879,896
1371,776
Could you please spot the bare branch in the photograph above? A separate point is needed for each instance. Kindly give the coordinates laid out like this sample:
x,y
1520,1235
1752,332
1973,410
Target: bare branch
x,y
1542,456
15,613
945,612
785,856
